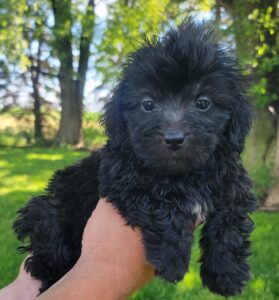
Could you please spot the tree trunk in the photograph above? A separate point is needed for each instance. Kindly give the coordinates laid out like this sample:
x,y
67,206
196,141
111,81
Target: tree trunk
x,y
38,128
272,201
71,85
276,162
35,74
70,127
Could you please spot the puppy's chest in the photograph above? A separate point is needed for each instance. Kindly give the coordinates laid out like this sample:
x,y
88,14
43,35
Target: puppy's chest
x,y
191,201
132,192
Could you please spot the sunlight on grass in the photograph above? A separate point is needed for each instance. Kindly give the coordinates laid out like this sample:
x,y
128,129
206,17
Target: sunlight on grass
x,y
27,171
190,280
48,157
258,285
4,164
19,186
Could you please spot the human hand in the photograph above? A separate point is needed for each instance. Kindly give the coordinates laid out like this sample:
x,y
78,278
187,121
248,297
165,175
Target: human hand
x,y
109,244
112,264
24,287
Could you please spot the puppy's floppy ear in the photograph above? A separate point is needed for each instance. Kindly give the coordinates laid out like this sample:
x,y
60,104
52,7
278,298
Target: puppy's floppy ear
x,y
113,121
239,124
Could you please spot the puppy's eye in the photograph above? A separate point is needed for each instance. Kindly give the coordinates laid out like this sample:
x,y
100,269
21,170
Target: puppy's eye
x,y
203,104
147,105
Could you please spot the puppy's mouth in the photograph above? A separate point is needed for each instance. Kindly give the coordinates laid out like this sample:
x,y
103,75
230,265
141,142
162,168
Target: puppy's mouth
x,y
170,164
175,160
171,168
181,161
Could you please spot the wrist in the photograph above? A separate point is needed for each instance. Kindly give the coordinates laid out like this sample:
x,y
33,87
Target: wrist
x,y
19,289
104,281
26,287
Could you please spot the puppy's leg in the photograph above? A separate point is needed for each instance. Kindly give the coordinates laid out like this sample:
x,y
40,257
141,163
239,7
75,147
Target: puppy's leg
x,y
168,248
51,253
225,239
225,244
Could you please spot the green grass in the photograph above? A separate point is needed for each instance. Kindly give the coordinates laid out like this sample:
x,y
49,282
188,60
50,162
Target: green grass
x,y
24,172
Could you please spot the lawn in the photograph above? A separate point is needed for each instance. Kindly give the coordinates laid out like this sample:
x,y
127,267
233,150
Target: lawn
x,y
25,171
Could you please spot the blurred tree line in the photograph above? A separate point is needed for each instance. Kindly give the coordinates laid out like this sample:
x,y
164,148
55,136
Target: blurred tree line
x,y
47,45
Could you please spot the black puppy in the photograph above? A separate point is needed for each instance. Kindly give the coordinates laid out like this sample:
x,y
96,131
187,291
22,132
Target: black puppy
x,y
176,124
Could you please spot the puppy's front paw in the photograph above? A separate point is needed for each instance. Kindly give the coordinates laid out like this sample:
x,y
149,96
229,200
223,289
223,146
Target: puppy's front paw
x,y
227,279
172,273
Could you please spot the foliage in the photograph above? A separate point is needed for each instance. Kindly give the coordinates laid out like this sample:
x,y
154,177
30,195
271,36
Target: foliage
x,y
253,23
127,23
266,23
130,22
255,32
11,30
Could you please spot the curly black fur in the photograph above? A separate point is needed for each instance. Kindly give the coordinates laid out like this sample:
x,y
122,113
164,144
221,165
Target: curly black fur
x,y
162,189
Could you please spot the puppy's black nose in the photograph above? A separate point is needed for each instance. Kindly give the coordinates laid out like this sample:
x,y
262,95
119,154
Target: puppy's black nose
x,y
174,139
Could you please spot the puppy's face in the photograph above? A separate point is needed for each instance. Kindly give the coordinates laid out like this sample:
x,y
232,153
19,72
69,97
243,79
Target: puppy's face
x,y
177,131
179,97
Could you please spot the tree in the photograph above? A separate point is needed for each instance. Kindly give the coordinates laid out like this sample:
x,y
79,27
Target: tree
x,y
255,27
29,28
269,68
28,22
72,80
35,34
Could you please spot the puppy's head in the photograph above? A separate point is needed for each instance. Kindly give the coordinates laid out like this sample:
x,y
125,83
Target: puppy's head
x,y
180,98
